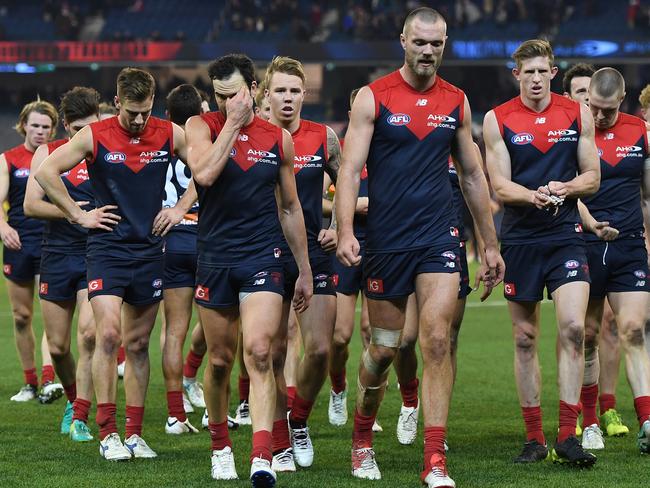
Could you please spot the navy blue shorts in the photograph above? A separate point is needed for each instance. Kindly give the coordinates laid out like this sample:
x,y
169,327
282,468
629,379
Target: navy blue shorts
x,y
180,270
22,266
617,266
348,280
321,269
62,276
531,267
138,282
392,275
218,286
464,287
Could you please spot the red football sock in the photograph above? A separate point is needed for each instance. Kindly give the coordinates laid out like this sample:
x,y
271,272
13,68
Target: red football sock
x,y
300,412
175,405
280,435
134,416
533,421
244,385
71,391
262,442
606,401
105,419
589,400
642,407
362,431
192,364
30,377
434,442
291,396
81,408
219,435
47,374
121,355
338,381
568,418
409,393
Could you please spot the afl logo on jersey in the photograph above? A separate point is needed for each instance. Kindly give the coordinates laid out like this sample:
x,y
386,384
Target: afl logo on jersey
x,y
115,157
233,152
522,138
398,119
21,173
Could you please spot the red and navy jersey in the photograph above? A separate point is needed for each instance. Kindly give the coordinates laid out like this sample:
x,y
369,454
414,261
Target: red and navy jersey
x,y
60,235
310,145
543,147
19,162
181,239
238,213
459,200
623,149
408,182
129,171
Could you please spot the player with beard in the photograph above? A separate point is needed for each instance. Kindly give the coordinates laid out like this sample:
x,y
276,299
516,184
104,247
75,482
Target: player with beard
x,y
405,126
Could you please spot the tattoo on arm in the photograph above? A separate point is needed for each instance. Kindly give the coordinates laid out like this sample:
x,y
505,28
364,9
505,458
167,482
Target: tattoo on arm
x,y
334,152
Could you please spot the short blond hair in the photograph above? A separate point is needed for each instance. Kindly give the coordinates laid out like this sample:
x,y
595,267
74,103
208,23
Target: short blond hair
x,y
135,85
41,107
286,65
533,48
259,96
644,98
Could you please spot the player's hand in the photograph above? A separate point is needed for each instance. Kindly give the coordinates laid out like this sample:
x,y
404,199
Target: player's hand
x,y
348,250
604,231
558,189
99,218
10,238
82,203
166,219
328,239
495,272
482,277
303,291
541,198
362,206
239,107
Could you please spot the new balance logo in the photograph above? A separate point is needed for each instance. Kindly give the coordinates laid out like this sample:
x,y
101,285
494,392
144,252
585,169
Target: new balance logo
x,y
422,102
540,120
609,136
134,140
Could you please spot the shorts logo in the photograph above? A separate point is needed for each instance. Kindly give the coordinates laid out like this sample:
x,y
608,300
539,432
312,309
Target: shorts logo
x,y
157,283
261,281
375,285
261,274
453,231
43,289
335,279
157,293
449,255
7,269
277,252
115,157
96,285
572,264
509,289
572,274
640,283
398,119
202,293
321,284
522,138
639,273
578,227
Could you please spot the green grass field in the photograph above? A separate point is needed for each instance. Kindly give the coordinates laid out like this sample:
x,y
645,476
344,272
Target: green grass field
x,y
485,428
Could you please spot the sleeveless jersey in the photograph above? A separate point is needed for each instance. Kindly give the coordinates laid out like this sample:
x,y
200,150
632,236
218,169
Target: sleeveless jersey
x,y
359,224
310,146
128,170
181,238
19,162
60,235
543,147
459,200
408,182
622,149
238,214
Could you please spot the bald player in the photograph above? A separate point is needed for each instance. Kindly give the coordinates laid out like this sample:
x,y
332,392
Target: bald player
x,y
405,126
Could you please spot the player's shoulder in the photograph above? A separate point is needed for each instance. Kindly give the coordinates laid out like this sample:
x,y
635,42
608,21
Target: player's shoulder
x,y
391,81
265,126
630,120
16,152
563,102
507,107
158,123
445,86
311,126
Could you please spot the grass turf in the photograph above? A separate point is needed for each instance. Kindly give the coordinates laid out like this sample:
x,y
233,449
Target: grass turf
x,y
485,427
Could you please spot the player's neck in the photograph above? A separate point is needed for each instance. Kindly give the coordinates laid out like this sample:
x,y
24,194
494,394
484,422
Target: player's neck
x,y
290,125
418,83
29,147
536,105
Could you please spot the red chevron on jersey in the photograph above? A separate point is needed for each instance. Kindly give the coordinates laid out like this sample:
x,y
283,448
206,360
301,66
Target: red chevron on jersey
x,y
310,146
628,138
78,174
422,115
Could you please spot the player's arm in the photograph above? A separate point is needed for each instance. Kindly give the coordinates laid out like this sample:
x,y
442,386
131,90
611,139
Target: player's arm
x,y
645,188
327,237
355,154
588,180
9,235
327,202
475,190
205,158
34,204
167,218
293,225
497,159
180,145
590,224
61,160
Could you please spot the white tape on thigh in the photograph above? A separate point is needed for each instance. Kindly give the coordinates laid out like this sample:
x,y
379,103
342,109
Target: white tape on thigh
x,y
243,295
385,337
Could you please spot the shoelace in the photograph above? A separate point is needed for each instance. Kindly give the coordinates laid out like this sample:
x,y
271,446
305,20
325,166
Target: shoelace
x,y
337,404
366,457
301,438
411,420
223,461
284,457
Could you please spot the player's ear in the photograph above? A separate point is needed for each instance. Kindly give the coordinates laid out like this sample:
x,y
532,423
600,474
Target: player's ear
x,y
516,73
253,89
553,71
402,40
116,101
